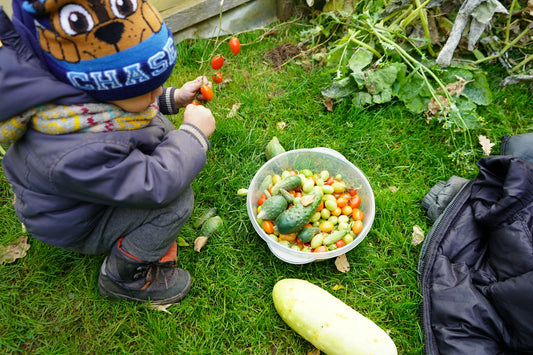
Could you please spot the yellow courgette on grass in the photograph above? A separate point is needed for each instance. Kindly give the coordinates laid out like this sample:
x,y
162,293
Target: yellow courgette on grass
x,y
328,323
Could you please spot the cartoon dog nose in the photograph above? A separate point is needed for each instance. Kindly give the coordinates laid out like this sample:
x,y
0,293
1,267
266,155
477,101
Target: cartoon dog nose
x,y
110,33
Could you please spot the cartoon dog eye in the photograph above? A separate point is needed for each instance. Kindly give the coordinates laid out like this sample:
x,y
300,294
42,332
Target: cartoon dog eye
x,y
123,8
75,19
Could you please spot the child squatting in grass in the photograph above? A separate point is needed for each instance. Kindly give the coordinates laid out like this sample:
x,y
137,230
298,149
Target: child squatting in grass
x,y
94,164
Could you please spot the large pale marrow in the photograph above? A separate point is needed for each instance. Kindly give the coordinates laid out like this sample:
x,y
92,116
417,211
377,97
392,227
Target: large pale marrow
x,y
328,323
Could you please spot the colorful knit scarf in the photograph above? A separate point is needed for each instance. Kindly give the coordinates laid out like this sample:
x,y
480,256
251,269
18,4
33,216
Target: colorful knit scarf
x,y
94,117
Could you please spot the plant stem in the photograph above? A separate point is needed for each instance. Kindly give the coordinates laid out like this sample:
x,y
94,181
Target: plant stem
x,y
508,27
505,49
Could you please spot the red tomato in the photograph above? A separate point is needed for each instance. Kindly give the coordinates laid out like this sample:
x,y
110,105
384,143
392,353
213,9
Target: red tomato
x,y
196,102
352,192
355,202
268,227
261,199
320,249
329,181
217,77
235,45
340,243
217,62
207,92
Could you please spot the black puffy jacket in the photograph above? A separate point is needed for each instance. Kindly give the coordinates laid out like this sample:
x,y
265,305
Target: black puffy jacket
x,y
476,264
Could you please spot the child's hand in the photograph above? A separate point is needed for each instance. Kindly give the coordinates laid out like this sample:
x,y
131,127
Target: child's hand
x,y
201,117
184,95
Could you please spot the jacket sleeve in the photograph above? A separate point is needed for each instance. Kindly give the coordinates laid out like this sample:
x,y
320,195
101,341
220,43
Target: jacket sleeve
x,y
167,106
146,170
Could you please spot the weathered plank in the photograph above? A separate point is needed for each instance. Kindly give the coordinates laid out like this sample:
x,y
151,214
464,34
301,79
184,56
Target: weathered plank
x,y
187,13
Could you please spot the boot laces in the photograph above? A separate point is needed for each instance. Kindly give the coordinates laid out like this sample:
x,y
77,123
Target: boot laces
x,y
156,272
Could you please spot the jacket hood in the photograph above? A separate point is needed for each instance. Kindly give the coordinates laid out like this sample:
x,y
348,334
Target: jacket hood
x,y
24,80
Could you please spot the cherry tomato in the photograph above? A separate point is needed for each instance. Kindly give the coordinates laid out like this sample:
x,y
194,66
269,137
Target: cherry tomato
x,y
329,181
268,227
355,201
326,226
207,92
352,192
347,210
357,227
196,102
235,45
357,214
320,249
217,62
261,199
320,207
342,201
288,237
217,77
340,243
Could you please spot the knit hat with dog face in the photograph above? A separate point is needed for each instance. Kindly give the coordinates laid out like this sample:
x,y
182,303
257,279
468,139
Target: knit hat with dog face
x,y
111,49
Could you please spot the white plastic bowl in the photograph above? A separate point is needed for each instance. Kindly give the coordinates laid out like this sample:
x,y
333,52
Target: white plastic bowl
x,y
316,160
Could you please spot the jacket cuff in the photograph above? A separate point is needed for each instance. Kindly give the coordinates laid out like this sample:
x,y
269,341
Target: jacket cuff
x,y
167,106
199,135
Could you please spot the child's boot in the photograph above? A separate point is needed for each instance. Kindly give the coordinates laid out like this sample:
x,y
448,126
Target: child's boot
x,y
123,276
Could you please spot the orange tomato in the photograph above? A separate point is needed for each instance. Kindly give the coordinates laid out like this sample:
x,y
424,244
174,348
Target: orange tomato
x,y
217,77
340,243
336,212
196,102
347,210
355,201
261,199
288,237
357,227
320,249
342,201
357,214
326,226
320,207
207,92
268,227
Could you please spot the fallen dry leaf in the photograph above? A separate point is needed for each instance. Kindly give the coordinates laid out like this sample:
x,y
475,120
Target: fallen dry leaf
x,y
10,253
342,263
282,125
338,287
328,103
393,189
314,352
457,87
486,145
161,307
234,110
418,235
307,200
199,243
182,242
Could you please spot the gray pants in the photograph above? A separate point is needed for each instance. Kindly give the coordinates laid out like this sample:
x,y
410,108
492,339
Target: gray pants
x,y
147,233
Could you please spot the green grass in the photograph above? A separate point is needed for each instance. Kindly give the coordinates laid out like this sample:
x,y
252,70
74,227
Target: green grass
x,y
49,303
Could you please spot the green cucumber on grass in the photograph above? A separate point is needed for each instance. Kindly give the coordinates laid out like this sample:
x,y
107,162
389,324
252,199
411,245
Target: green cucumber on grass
x,y
325,321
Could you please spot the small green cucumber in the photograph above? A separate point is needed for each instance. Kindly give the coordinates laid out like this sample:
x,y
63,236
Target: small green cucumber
x,y
291,182
273,148
307,234
287,195
211,225
272,207
334,237
293,219
204,217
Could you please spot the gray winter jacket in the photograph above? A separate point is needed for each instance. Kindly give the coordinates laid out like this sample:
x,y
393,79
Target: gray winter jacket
x,y
64,183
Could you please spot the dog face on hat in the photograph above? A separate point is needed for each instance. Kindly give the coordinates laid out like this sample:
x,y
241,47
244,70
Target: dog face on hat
x,y
84,30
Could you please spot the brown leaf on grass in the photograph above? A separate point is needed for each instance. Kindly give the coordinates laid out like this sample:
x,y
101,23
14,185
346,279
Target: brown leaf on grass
x,y
10,253
486,145
457,88
314,352
199,243
393,189
328,103
418,235
342,263
435,108
282,125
